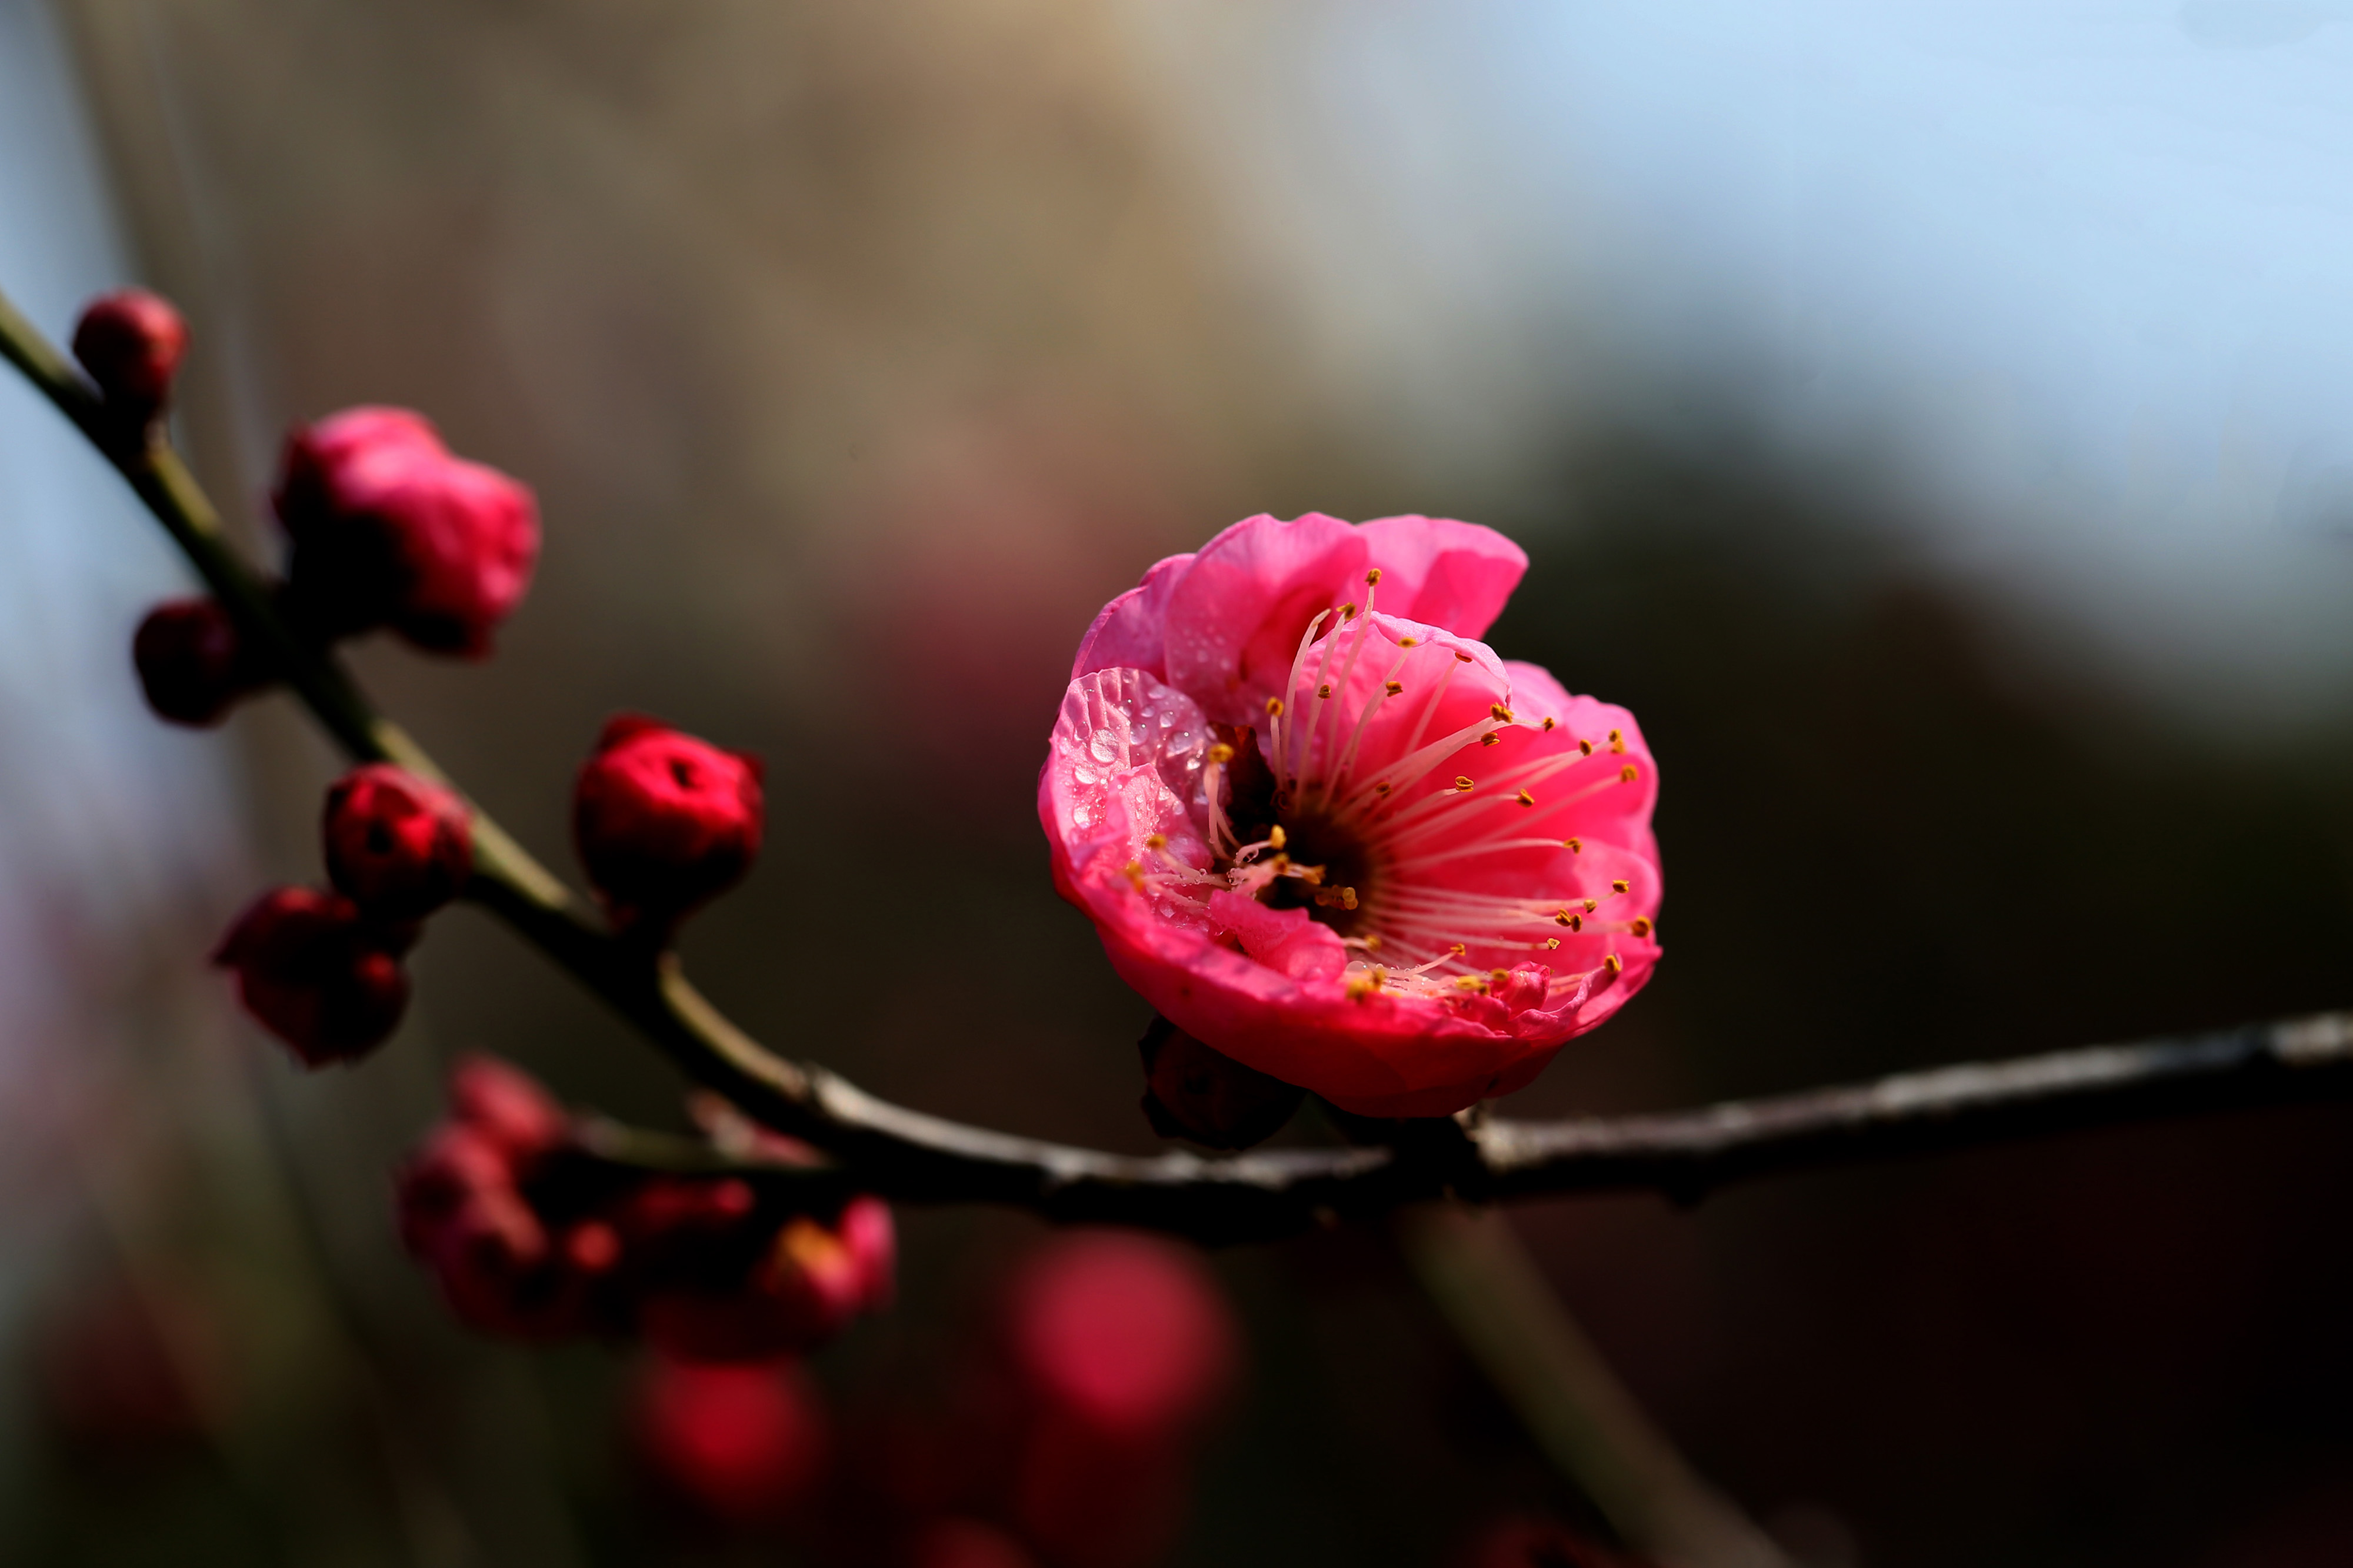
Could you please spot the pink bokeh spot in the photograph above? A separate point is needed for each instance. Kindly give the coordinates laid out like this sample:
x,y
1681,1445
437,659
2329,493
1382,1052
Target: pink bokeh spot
x,y
1437,868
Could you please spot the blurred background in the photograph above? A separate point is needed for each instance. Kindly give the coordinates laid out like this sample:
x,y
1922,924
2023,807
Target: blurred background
x,y
1933,422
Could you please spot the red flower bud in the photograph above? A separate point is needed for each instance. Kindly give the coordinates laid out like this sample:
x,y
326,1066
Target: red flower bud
x,y
1124,1334
740,1445
397,846
662,821
131,343
1193,1092
391,530
193,663
811,1282
507,1106
316,974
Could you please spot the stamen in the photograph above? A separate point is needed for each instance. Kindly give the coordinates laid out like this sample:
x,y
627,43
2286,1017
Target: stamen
x,y
1612,964
1274,707
1409,642
1628,773
1490,738
1620,886
1591,905
1372,577
1552,942
1220,755
1134,872
1455,950
1499,978
1574,923
1156,841
1642,925
1462,783
1325,689
1462,657
1585,748
1574,846
1617,739
1524,798
1275,838
1550,722
1503,714
1394,687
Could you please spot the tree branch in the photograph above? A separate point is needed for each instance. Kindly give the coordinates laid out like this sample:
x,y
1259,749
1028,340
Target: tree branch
x,y
905,1154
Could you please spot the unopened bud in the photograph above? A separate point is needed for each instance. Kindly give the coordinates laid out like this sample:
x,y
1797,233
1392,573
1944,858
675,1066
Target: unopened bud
x,y
192,662
1207,1097
397,846
389,529
664,822
131,343
316,974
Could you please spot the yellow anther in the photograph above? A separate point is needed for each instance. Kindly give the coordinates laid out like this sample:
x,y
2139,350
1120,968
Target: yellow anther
x,y
1591,905
1499,978
1466,982
1325,689
1373,942
1612,964
1524,798
1503,714
1617,739
1585,748
1565,919
1275,838
1490,738
1274,707
1281,863
1347,898
1220,755
1382,788
1641,925
1551,942
1454,950
1462,783
1394,687
1460,657
1574,846
1628,773
1372,576
1620,886
1550,722
1135,874
1348,611
1409,642
1156,841
1577,923
1361,989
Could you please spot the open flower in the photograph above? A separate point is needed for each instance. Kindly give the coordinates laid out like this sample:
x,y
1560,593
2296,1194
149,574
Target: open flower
x,y
1325,831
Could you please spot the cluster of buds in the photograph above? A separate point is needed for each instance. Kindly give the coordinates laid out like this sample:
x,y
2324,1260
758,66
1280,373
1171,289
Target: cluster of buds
x,y
532,1237
387,528
321,969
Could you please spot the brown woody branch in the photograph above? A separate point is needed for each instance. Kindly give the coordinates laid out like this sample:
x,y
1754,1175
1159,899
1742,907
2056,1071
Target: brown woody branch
x,y
905,1154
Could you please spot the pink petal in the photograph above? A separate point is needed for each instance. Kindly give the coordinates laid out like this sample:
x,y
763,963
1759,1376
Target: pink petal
x,y
1451,575
1287,941
1128,633
1234,620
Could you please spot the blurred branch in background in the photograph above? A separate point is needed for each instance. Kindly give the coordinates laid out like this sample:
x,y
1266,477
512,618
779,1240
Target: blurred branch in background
x,y
1477,1271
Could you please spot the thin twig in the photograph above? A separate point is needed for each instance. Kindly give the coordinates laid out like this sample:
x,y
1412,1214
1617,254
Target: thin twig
x,y
1480,1276
905,1154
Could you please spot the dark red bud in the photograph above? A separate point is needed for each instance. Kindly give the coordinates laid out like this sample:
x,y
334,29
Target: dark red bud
x,y
193,663
1199,1094
1127,1336
397,846
389,529
131,343
315,974
663,821
739,1445
507,1106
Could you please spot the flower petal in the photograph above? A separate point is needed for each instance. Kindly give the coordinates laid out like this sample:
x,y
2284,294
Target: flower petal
x,y
1451,575
1234,619
1128,633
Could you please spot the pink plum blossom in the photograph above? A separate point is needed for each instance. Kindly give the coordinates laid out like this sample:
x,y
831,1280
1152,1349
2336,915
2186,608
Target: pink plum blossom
x,y
1323,829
